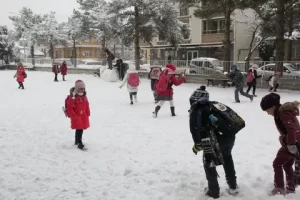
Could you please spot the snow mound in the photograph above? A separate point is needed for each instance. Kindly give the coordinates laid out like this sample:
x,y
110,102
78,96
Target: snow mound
x,y
109,75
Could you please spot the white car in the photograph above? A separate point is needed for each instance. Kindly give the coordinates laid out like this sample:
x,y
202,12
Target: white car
x,y
205,65
288,70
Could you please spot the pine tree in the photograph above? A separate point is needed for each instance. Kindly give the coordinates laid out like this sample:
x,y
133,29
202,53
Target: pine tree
x,y
7,39
144,20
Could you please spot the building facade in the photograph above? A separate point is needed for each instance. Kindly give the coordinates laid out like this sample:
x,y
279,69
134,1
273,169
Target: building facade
x,y
205,39
89,49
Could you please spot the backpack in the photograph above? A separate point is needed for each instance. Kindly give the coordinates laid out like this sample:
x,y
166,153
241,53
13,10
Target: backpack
x,y
250,77
134,79
154,73
163,80
229,122
24,75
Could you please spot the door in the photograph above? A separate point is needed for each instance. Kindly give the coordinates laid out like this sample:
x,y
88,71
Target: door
x,y
191,55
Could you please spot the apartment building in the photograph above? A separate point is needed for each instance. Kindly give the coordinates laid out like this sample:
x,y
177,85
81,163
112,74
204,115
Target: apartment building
x,y
205,38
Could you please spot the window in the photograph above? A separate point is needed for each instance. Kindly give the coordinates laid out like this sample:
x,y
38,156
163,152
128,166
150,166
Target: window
x,y
213,26
185,32
161,36
184,11
87,53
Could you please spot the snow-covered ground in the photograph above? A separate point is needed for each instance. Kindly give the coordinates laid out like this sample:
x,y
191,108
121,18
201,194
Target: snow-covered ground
x,y
131,155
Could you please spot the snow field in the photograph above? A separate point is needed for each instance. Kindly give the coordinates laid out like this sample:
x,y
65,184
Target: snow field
x,y
131,155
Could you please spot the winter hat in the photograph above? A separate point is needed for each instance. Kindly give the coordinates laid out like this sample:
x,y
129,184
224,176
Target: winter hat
x,y
269,101
199,94
156,62
78,85
278,73
234,67
170,66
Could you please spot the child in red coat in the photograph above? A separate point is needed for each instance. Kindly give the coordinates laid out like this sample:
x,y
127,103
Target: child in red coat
x,y
20,74
78,110
285,118
63,70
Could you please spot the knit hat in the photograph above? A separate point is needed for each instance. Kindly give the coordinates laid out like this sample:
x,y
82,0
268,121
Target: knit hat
x,y
199,94
78,85
234,67
269,101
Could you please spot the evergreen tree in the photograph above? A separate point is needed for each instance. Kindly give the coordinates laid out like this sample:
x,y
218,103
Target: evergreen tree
x,y
145,20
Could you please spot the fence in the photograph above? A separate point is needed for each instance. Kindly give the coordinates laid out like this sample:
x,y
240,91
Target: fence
x,y
285,83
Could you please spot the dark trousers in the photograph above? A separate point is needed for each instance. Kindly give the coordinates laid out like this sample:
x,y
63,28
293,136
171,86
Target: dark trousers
x,y
122,73
211,173
275,87
21,85
240,89
78,136
131,94
284,161
297,171
251,85
55,77
63,76
153,89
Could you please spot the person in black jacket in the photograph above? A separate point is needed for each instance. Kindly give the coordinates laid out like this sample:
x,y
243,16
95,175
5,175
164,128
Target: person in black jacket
x,y
202,123
252,84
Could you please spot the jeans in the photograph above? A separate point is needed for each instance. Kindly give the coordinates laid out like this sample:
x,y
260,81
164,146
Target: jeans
x,y
251,85
240,89
78,136
226,146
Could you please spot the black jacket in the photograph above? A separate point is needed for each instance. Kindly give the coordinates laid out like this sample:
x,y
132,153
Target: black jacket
x,y
200,124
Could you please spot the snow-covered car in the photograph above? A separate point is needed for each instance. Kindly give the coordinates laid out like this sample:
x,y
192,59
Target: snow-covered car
x,y
288,70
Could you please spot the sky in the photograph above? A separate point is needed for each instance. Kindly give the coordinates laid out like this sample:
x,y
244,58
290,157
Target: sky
x,y
62,8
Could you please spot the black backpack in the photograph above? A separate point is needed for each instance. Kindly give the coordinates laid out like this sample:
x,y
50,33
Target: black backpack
x,y
229,122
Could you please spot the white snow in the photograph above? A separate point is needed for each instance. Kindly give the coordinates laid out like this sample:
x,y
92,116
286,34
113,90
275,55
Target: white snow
x,y
131,155
108,74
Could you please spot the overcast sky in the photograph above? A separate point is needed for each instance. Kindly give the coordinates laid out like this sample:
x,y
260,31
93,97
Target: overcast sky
x,y
63,8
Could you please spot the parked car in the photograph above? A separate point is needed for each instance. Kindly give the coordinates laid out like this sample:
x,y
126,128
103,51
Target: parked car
x,y
205,65
288,70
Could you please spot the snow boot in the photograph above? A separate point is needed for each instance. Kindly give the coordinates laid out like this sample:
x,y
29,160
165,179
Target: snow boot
x,y
233,192
277,191
157,108
173,111
81,146
135,99
212,194
251,98
131,102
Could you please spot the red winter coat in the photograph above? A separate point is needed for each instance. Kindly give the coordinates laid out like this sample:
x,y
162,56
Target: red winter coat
x,y
79,110
63,69
55,69
20,74
287,123
173,81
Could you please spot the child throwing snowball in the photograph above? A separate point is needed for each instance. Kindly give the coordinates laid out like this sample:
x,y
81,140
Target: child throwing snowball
x,y
133,81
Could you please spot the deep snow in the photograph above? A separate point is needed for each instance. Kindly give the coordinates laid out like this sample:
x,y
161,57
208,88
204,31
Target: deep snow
x,y
131,155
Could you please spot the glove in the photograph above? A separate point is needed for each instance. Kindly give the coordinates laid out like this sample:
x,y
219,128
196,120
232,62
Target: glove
x,y
196,148
292,149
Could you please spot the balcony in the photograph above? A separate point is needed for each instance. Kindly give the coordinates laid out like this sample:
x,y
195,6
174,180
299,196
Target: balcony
x,y
215,36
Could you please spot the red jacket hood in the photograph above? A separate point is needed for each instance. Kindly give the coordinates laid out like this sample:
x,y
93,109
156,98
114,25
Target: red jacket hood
x,y
170,66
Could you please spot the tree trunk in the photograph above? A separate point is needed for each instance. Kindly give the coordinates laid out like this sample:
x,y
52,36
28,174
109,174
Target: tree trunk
x,y
280,35
289,46
75,53
137,38
227,42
